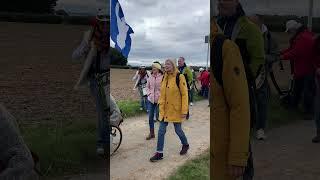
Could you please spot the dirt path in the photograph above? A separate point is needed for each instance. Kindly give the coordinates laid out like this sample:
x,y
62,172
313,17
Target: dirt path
x,y
288,154
132,160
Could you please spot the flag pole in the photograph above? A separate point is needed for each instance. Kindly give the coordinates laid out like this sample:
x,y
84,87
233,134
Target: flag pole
x,y
207,57
206,40
310,16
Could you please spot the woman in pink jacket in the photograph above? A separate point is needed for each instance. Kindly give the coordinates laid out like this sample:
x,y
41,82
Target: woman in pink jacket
x,y
153,89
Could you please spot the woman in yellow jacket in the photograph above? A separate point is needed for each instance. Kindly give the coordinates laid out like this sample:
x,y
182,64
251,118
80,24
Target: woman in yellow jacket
x,y
173,107
230,115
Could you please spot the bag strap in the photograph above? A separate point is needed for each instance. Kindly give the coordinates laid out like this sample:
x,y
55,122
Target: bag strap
x,y
217,64
178,80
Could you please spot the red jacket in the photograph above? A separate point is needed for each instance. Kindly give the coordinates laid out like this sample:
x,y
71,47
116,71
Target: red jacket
x,y
301,53
204,78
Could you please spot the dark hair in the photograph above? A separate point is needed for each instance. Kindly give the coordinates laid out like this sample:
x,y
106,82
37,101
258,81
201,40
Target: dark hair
x,y
240,11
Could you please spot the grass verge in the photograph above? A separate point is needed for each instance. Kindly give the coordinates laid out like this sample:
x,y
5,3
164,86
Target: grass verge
x,y
198,168
64,149
67,148
194,169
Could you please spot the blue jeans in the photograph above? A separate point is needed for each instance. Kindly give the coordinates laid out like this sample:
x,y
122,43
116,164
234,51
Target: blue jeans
x,y
143,100
205,91
102,116
153,111
162,133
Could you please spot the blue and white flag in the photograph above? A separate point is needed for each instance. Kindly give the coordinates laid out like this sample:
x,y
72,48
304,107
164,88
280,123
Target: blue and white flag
x,y
120,30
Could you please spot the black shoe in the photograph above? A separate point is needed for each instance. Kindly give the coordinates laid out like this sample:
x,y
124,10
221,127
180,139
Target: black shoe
x,y
184,149
156,157
316,139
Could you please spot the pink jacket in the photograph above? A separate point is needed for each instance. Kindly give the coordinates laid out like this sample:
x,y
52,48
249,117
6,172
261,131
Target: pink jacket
x,y
153,88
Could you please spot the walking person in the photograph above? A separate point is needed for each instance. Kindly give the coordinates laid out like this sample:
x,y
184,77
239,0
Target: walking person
x,y
301,54
263,90
141,78
204,78
237,27
94,49
230,156
186,71
153,90
193,86
173,107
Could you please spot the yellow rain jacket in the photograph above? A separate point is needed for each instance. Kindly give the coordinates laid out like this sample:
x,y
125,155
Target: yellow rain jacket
x,y
173,101
230,114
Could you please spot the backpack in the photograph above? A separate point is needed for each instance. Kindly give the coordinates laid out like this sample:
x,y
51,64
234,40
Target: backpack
x,y
217,68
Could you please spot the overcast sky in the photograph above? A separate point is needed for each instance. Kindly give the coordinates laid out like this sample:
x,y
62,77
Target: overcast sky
x,y
173,28
167,28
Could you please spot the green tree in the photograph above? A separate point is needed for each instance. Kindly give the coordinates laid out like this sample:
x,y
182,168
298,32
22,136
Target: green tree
x,y
28,6
117,58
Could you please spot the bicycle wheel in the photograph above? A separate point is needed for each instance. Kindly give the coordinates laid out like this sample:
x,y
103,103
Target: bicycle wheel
x,y
116,134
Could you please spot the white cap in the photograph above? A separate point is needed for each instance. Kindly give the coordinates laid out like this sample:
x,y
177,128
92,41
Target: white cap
x,y
201,69
102,14
292,24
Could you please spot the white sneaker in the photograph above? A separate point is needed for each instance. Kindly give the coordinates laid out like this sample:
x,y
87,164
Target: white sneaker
x,y
261,135
191,104
100,151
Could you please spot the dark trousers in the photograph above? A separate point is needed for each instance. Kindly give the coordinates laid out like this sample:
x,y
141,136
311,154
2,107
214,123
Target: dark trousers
x,y
305,87
249,170
204,91
317,105
262,106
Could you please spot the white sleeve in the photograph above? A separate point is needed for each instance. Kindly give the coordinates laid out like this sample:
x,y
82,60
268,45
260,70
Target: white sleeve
x,y
83,49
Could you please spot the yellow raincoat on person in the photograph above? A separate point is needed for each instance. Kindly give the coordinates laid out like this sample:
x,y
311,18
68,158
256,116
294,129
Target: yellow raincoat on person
x,y
173,101
230,113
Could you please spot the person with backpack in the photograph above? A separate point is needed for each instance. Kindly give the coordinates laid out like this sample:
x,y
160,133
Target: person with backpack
x,y
301,54
230,154
186,71
263,90
141,78
153,91
237,27
94,50
173,107
16,161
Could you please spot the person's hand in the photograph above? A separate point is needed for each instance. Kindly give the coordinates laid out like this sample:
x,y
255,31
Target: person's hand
x,y
236,171
134,89
184,116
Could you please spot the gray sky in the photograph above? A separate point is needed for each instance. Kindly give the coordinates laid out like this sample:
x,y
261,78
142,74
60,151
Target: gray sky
x,y
167,28
173,28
